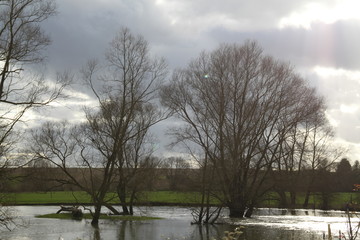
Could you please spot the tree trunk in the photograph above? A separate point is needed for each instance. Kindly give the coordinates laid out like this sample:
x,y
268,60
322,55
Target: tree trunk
x,y
112,209
131,202
237,205
207,207
125,210
283,200
96,216
121,191
307,198
292,199
249,211
309,187
237,210
325,198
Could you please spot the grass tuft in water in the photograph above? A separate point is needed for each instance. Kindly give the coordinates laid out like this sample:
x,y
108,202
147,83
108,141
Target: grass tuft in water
x,y
102,216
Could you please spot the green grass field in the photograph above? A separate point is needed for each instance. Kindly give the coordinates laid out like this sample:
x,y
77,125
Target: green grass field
x,y
66,197
337,200
39,198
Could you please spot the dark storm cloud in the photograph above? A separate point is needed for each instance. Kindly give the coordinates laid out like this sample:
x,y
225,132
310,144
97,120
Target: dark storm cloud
x,y
82,29
179,30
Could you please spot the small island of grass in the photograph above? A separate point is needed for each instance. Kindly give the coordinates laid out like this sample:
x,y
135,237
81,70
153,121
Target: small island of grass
x,y
102,216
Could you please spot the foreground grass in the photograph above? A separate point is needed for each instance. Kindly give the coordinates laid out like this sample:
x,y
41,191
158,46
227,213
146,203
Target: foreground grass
x,y
102,216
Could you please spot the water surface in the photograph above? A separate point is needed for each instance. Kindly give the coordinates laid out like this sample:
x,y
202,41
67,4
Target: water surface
x,y
265,224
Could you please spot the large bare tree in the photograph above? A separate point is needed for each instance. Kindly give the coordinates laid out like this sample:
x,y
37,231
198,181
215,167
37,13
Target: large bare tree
x,y
22,42
238,106
129,82
115,136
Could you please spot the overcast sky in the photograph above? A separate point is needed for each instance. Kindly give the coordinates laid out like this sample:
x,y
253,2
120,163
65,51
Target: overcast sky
x,y
319,38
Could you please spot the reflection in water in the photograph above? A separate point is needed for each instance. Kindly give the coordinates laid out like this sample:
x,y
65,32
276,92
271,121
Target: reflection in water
x,y
207,232
210,231
128,230
121,233
293,212
96,235
281,224
276,233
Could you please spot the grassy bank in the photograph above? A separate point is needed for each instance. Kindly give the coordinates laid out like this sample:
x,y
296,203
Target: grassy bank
x,y
336,200
66,197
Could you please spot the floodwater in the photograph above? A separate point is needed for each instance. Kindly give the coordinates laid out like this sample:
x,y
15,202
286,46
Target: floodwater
x,y
266,224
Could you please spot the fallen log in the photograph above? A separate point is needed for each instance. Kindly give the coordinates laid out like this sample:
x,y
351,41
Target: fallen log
x,y
67,209
75,211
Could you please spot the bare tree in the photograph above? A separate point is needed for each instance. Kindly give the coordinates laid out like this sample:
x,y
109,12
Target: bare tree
x,y
22,42
322,153
352,228
111,148
129,81
77,147
208,188
238,106
307,148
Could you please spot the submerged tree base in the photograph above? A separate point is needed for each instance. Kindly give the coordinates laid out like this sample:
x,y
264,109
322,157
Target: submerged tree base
x,y
237,213
69,216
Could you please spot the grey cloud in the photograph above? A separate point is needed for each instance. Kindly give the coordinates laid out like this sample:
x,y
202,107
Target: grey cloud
x,y
83,29
252,14
348,128
332,45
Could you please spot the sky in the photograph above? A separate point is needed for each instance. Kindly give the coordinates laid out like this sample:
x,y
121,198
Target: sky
x,y
319,38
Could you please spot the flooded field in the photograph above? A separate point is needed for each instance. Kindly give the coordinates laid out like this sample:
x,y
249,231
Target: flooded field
x,y
266,224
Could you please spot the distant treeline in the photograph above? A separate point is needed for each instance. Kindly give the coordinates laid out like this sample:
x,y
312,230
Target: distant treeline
x,y
33,179
44,179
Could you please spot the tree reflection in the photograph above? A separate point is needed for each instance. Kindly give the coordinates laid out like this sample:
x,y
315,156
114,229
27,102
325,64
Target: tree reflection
x,y
209,232
128,230
96,233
